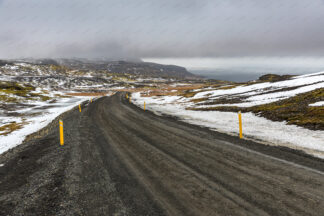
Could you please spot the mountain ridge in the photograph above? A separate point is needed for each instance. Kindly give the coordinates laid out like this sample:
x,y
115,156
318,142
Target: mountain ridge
x,y
113,66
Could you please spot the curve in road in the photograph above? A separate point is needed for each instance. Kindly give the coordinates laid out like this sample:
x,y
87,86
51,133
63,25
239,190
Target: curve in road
x,y
121,160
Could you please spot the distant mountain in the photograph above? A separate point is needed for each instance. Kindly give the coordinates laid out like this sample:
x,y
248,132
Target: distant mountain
x,y
3,63
128,67
121,67
149,69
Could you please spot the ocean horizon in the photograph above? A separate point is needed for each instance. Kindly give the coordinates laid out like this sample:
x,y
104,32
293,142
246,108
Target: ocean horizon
x,y
244,74
242,69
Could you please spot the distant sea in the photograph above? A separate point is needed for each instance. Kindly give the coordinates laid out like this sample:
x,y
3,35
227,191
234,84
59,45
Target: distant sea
x,y
248,74
242,69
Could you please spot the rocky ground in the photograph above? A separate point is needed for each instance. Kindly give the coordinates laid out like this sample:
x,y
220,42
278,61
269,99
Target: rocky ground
x,y
121,160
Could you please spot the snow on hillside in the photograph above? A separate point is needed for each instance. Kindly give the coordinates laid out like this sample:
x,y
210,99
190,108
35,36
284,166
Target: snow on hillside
x,y
35,123
47,76
263,93
320,103
254,127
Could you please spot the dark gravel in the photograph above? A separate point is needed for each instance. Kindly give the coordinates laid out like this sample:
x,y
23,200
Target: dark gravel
x,y
120,160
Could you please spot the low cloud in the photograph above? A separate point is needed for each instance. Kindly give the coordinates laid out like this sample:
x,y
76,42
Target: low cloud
x,y
171,28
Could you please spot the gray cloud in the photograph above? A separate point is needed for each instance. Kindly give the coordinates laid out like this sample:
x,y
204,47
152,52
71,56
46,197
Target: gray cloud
x,y
153,28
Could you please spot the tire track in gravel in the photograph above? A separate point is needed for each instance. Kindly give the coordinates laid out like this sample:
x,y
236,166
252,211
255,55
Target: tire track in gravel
x,y
269,191
121,160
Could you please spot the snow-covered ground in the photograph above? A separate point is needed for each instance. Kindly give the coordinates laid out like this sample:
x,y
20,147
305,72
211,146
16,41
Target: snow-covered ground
x,y
33,124
45,76
320,103
254,127
263,93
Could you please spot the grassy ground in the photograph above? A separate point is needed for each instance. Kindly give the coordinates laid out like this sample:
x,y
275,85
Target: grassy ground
x,y
10,127
294,110
13,92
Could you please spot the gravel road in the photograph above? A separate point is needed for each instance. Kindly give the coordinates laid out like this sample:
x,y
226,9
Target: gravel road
x,y
121,160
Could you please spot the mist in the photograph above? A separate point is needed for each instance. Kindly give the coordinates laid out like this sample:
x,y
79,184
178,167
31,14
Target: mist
x,y
123,29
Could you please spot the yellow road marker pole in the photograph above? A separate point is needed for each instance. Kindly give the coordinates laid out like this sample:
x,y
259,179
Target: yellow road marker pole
x,y
80,107
61,133
144,105
91,100
240,124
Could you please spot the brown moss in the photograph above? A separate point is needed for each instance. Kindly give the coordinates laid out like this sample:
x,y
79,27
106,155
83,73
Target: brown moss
x,y
40,96
8,128
294,110
198,100
59,68
227,87
8,91
8,99
188,94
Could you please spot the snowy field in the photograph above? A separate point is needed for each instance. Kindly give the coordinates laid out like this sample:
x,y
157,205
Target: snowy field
x,y
254,127
33,124
320,103
263,93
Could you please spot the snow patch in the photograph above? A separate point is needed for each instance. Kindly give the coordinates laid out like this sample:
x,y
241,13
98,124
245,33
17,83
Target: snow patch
x,y
320,103
263,93
36,123
254,127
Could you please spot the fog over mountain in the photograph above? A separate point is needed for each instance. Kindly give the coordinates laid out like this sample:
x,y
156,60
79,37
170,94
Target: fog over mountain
x,y
122,29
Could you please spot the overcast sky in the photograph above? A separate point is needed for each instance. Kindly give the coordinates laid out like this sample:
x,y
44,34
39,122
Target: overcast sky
x,y
161,28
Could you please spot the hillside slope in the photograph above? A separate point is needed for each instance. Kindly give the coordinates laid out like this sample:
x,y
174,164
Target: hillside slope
x,y
138,68
291,100
288,112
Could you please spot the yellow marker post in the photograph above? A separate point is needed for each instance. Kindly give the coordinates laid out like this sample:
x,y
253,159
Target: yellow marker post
x,y
240,124
144,105
91,100
61,133
80,107
127,96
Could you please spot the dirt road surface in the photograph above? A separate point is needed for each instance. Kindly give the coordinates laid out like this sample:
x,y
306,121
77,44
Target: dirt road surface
x,y
121,160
